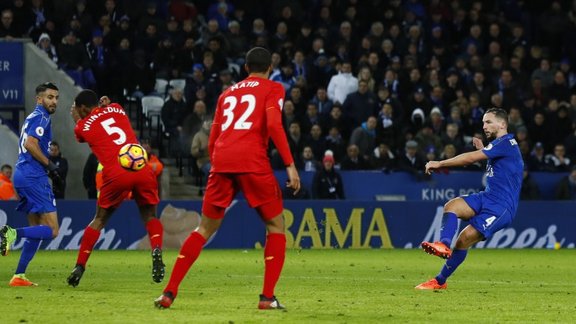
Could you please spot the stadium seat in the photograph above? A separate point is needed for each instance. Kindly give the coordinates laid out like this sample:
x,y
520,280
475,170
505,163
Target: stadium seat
x,y
177,83
161,87
235,69
151,110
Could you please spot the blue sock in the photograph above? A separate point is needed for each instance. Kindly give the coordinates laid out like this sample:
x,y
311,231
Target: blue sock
x,y
451,265
449,227
40,232
28,251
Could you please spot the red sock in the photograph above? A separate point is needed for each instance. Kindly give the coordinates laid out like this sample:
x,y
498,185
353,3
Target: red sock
x,y
87,244
274,255
189,252
155,231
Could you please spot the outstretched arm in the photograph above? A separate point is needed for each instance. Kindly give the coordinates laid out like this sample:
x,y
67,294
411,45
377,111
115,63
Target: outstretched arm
x,y
459,160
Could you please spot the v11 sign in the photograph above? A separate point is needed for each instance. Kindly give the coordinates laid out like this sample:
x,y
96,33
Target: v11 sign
x,y
11,74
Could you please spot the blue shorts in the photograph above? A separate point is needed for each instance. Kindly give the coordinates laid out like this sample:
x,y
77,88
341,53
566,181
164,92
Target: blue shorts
x,y
37,198
490,217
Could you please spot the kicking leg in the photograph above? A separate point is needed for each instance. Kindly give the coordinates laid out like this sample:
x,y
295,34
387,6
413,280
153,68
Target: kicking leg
x,y
454,209
89,239
468,237
190,251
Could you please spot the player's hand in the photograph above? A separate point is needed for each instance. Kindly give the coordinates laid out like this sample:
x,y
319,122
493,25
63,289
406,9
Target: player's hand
x,y
104,101
432,166
57,180
293,178
477,142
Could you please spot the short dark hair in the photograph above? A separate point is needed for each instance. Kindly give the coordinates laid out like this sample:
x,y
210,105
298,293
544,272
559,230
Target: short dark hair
x,y
258,60
87,98
55,143
44,86
6,166
499,113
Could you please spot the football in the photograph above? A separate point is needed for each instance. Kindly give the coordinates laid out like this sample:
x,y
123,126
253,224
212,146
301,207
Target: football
x,y
132,157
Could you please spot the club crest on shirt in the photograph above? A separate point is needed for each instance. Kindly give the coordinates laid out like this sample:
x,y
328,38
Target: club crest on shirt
x,y
39,131
488,147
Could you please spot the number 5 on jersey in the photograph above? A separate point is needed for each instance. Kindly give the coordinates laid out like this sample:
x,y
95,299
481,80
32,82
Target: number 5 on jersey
x,y
111,130
230,103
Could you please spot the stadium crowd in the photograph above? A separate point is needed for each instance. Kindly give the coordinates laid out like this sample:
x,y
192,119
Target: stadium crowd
x,y
383,85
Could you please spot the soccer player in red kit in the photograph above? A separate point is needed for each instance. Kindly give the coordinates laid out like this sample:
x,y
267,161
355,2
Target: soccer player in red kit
x,y
248,114
106,128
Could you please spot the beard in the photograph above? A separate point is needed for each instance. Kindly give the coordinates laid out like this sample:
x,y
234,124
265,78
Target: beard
x,y
490,135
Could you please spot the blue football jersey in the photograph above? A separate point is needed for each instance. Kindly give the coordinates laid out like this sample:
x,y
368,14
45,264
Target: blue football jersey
x,y
37,124
504,171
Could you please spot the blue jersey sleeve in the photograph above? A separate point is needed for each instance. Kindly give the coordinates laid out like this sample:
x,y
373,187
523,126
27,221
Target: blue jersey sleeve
x,y
38,126
499,148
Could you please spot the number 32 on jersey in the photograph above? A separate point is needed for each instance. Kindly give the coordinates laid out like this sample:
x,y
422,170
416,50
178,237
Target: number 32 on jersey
x,y
230,103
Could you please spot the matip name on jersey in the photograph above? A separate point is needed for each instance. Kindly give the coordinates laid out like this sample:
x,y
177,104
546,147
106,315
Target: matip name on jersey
x,y
244,84
103,112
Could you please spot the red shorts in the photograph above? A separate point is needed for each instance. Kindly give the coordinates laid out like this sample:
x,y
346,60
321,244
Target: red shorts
x,y
143,185
260,189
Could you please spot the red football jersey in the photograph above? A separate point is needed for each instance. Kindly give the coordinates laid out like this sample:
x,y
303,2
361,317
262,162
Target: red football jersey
x,y
106,130
247,115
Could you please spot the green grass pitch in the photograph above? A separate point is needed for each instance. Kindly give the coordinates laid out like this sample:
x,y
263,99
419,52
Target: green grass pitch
x,y
336,286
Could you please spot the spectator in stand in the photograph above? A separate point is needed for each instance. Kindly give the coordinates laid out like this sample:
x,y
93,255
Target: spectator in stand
x,y
540,130
199,149
286,76
315,140
387,130
322,102
295,141
566,188
196,85
327,183
45,44
173,114
8,29
100,61
537,160
310,118
361,104
89,176
75,62
192,124
165,60
427,139
237,41
411,161
309,162
453,137
383,158
7,191
335,143
288,114
354,160
342,84
557,161
530,189
154,162
59,179
544,73
364,136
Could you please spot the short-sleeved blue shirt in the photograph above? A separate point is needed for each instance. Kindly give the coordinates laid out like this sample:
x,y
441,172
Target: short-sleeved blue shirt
x,y
504,171
38,125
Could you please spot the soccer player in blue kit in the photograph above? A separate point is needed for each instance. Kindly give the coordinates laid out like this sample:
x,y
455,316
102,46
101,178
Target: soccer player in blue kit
x,y
31,184
487,211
